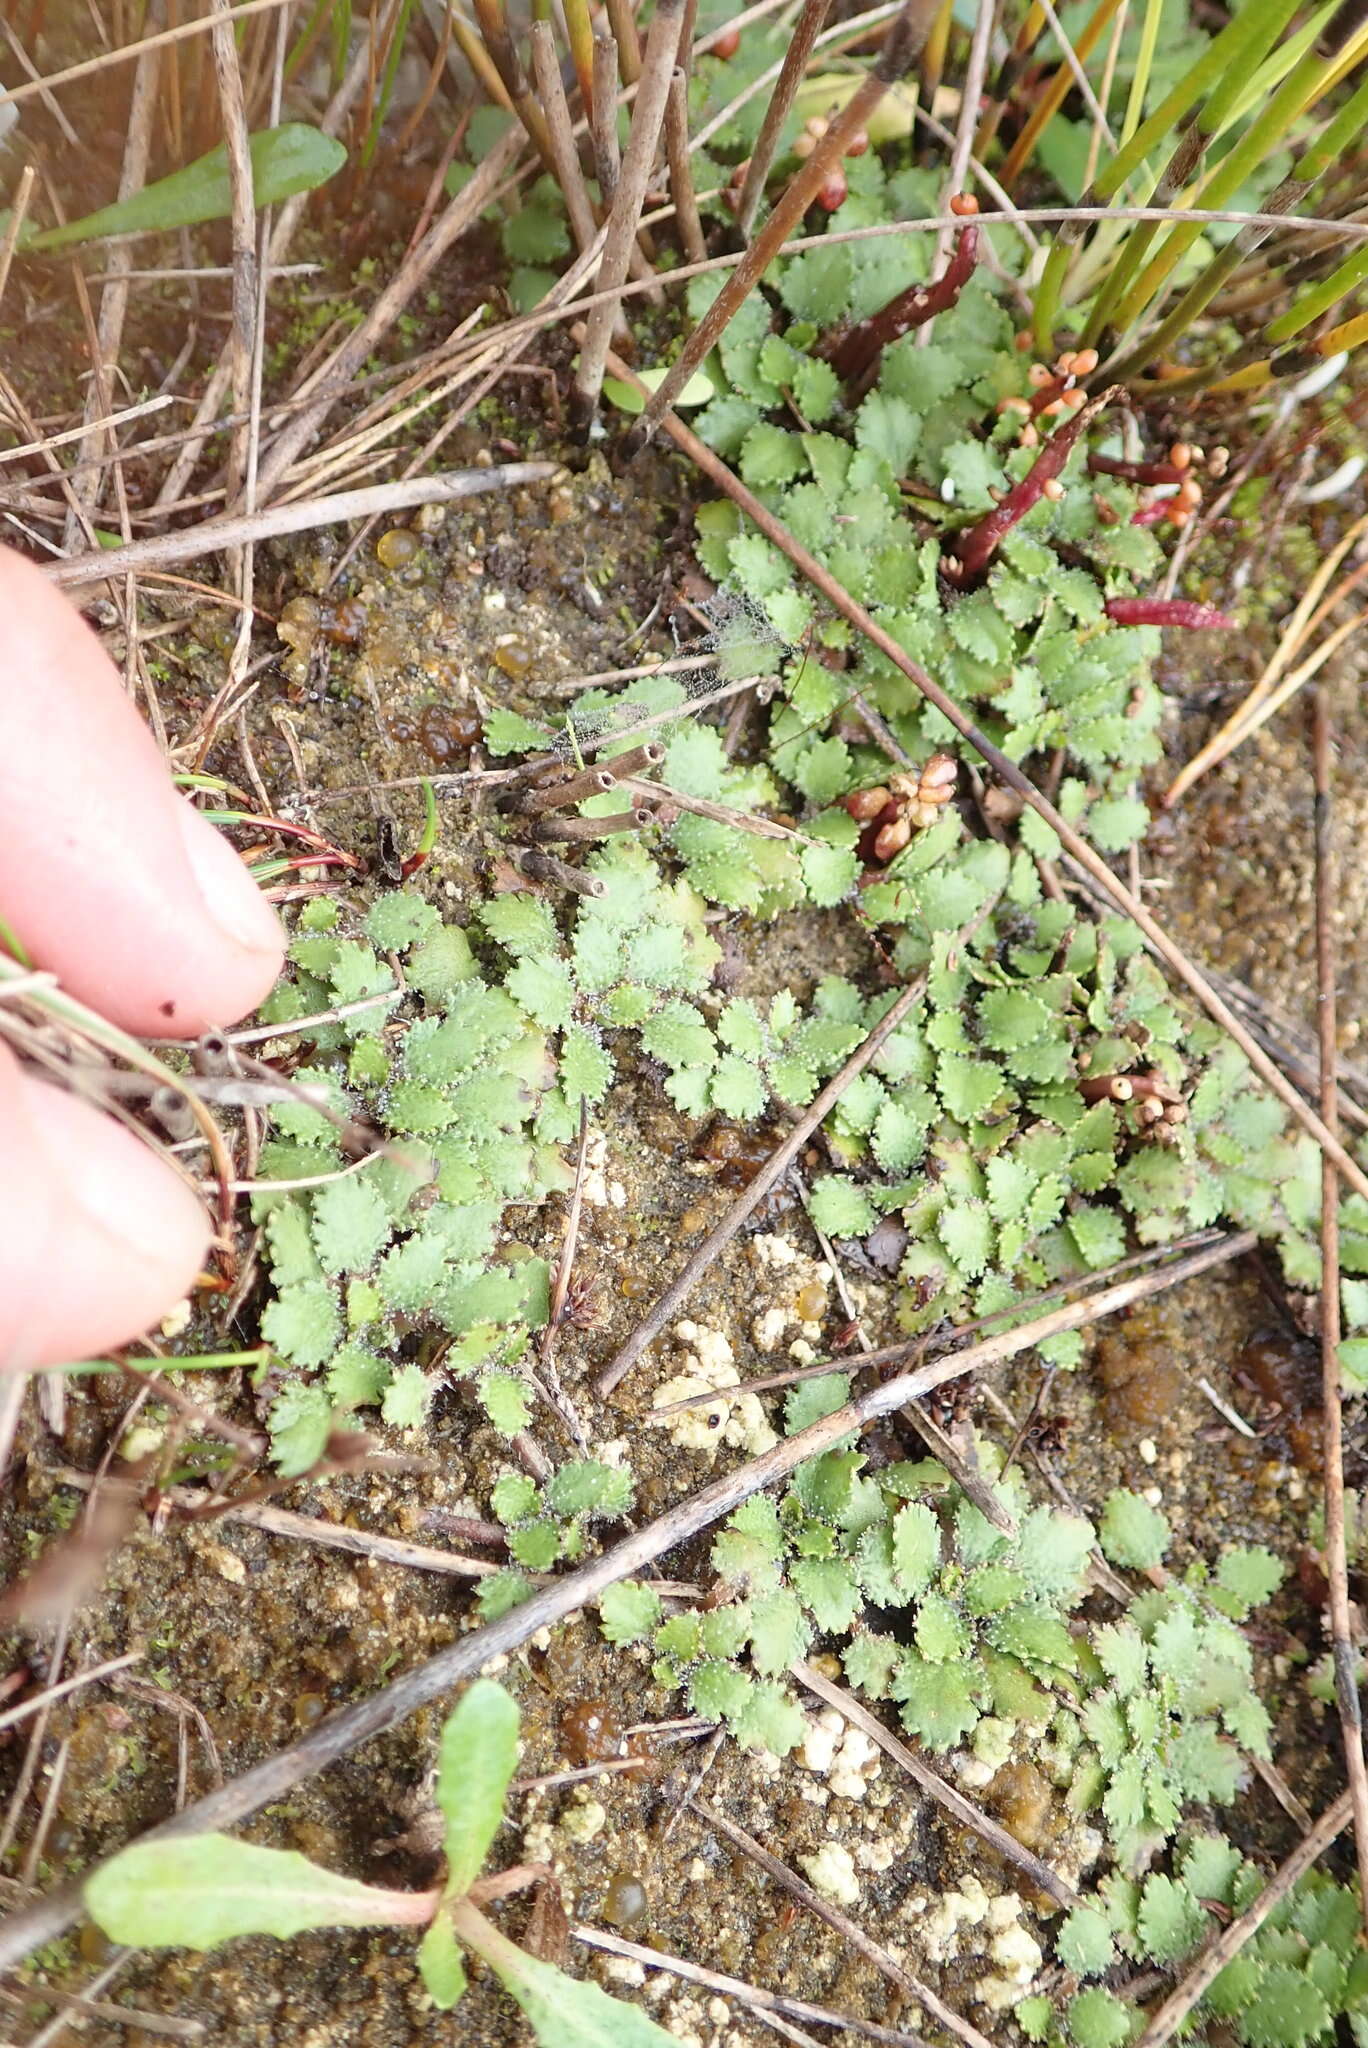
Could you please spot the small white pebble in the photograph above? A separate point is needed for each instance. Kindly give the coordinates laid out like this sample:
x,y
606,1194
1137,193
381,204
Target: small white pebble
x,y
1149,1449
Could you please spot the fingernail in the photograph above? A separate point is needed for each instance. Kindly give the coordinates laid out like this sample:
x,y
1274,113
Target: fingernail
x,y
231,897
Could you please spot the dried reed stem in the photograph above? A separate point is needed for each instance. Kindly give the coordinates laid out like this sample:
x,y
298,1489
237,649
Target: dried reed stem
x,y
560,135
901,45
777,112
626,40
681,171
214,534
624,216
603,132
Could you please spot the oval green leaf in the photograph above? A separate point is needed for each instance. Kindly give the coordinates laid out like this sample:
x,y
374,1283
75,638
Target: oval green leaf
x,y
207,1889
293,158
477,1757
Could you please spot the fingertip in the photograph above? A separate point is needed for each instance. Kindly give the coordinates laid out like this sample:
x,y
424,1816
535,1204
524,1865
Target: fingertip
x,y
107,875
98,1236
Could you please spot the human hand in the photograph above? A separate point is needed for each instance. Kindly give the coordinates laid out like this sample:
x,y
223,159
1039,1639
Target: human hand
x,y
111,880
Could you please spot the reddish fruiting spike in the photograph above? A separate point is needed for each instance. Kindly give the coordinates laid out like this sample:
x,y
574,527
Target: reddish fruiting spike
x,y
977,545
726,43
858,143
856,352
1167,611
964,204
834,192
1135,472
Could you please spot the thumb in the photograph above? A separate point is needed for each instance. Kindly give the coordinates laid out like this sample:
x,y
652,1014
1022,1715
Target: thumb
x,y
98,1237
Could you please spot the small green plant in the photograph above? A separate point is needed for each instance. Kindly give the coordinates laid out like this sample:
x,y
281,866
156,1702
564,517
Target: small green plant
x,y
1301,1973
204,1890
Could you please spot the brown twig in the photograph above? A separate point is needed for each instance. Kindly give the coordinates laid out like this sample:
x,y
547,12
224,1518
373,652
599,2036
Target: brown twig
x,y
1009,773
560,135
1074,1315
802,38
297,1528
848,1929
1164,2024
901,45
603,133
1332,1435
91,1676
624,216
213,535
745,1994
1006,1845
681,172
626,40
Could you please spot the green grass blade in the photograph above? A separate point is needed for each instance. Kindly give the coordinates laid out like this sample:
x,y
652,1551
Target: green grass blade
x,y
293,158
1298,92
1144,64
1318,298
1238,47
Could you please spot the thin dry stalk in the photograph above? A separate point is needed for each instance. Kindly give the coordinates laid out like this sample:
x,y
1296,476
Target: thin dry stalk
x,y
560,135
899,52
13,1715
23,194
242,321
603,134
751,1196
681,172
745,1994
624,216
1332,1438
1007,772
626,42
418,264
790,78
287,220
566,1263
215,535
704,807
494,28
73,2006
1004,1844
1073,1315
849,1930
1308,614
123,55
971,97
114,298
1164,2024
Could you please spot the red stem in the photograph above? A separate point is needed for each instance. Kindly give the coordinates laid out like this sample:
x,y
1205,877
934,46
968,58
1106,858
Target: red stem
x,y
1135,472
1166,611
976,545
856,351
